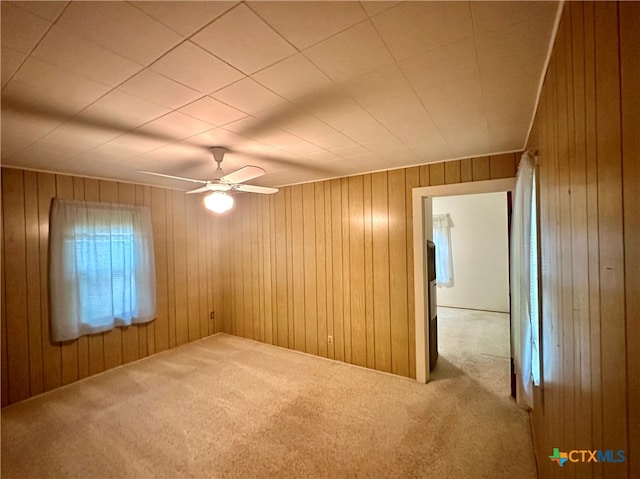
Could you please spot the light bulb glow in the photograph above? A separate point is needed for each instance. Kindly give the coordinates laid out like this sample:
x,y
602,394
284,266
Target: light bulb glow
x,y
218,202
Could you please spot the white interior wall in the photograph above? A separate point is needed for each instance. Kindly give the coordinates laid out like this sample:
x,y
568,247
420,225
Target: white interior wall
x,y
479,246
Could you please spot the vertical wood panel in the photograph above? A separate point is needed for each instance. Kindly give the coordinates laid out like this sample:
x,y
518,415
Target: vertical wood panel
x,y
346,271
466,170
159,223
258,324
630,79
258,266
337,242
171,272
412,180
380,234
33,282
436,174
267,245
610,217
247,274
4,386
298,265
192,274
146,331
180,268
480,169
290,290
368,273
282,313
321,266
328,228
425,179
310,269
452,172
579,244
16,289
502,166
592,232
397,274
357,271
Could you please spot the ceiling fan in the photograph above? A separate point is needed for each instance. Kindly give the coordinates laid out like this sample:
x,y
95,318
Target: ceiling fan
x,y
219,201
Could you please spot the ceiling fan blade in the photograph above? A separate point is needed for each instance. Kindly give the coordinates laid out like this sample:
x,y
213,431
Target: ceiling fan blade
x,y
173,177
245,173
265,190
202,189
211,187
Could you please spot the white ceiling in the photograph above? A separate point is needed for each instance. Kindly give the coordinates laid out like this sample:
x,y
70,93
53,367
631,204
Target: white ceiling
x,y
307,90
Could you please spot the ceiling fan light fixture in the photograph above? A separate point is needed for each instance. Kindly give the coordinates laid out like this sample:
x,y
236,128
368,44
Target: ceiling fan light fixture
x,y
218,202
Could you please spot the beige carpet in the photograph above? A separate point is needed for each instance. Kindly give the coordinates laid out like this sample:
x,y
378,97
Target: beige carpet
x,y
229,407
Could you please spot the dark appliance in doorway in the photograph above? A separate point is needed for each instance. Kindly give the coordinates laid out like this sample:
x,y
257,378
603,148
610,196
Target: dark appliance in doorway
x,y
433,305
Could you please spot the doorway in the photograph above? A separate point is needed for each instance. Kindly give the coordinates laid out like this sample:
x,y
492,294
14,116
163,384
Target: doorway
x,y
422,231
472,294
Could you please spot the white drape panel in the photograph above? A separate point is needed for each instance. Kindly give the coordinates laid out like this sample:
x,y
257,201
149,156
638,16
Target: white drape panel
x,y
442,238
524,283
101,268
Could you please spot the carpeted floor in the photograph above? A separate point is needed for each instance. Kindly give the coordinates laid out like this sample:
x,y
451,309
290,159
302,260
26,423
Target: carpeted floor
x,y
229,407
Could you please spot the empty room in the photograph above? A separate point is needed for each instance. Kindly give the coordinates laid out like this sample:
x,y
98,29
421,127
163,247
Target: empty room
x,y
221,246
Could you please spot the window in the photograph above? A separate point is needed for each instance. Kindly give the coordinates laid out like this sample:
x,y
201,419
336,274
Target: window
x,y
102,272
525,322
442,238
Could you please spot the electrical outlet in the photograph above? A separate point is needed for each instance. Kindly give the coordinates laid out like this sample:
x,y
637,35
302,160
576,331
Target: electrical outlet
x,y
330,339
212,315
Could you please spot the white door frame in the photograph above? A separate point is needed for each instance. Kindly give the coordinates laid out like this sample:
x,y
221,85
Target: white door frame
x,y
421,217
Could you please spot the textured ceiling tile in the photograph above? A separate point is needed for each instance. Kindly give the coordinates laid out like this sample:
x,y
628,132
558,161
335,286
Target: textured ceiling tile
x,y
377,86
80,135
121,28
21,30
402,110
185,17
159,89
305,23
19,130
243,40
294,78
47,10
84,58
417,27
488,16
375,7
174,126
122,111
442,65
351,53
53,90
198,69
11,60
212,111
514,50
249,97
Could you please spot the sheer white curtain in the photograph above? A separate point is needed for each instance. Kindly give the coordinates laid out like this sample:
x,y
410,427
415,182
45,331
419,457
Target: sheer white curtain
x,y
101,268
442,238
524,283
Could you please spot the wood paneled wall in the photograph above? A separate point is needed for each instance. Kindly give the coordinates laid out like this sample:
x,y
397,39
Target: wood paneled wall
x,y
187,240
335,258
586,132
